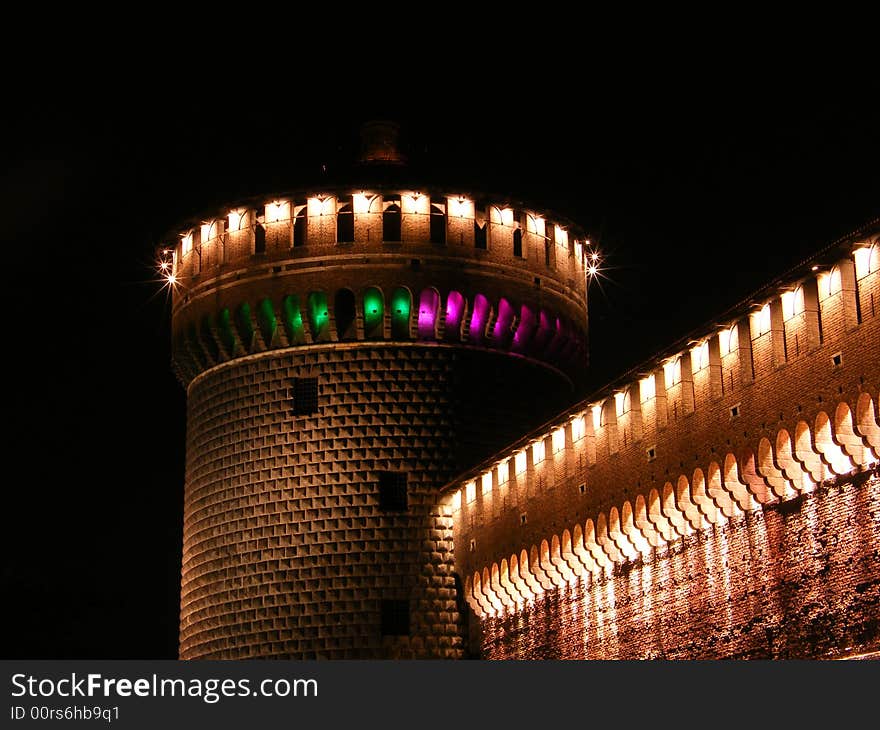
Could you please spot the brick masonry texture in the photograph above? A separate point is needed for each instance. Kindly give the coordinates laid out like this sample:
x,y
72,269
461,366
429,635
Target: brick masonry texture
x,y
799,580
648,484
286,551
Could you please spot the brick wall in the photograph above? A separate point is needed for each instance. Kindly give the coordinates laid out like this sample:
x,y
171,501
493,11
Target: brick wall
x,y
760,413
798,580
286,550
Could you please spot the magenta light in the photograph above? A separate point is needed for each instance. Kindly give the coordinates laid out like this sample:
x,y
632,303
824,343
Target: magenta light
x,y
544,333
501,333
429,301
560,339
479,319
525,331
454,313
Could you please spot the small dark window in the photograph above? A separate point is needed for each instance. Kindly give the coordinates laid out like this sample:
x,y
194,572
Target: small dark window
x,y
517,243
582,488
299,229
522,518
345,312
651,453
392,491
395,618
345,224
391,223
438,227
734,411
259,239
305,396
473,544
480,235
837,359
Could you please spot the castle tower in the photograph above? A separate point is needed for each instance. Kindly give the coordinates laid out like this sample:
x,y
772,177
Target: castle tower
x,y
346,350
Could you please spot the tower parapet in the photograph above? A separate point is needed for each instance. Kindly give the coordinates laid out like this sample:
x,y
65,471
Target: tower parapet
x,y
383,264
346,351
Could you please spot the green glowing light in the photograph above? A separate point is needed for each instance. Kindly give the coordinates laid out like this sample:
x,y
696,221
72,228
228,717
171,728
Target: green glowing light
x,y
401,304
244,323
224,328
293,322
319,316
208,341
266,319
374,313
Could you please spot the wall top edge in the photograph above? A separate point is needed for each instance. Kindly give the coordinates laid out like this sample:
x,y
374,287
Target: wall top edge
x,y
823,260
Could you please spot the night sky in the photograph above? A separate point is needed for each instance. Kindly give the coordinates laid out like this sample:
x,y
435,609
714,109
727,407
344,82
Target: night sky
x,y
695,193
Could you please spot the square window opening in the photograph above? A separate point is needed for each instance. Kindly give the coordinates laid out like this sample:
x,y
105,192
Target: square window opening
x,y
395,617
305,396
392,491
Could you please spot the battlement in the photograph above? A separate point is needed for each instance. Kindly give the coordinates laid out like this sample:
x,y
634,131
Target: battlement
x,y
776,398
313,268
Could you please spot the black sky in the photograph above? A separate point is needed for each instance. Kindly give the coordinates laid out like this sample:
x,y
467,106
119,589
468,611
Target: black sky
x,y
696,192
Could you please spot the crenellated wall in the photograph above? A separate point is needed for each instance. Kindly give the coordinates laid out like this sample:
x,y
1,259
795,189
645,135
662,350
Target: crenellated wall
x,y
763,409
503,277
344,355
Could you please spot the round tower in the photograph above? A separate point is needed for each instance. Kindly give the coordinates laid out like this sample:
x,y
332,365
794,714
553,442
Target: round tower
x,y
346,350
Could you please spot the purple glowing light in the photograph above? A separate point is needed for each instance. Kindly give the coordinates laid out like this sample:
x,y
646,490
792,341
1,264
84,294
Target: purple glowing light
x,y
454,311
479,319
545,332
429,301
525,331
501,333
560,338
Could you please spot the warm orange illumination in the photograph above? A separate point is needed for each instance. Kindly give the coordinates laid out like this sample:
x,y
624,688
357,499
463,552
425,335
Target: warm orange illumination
x,y
456,500
578,428
867,260
279,210
172,279
672,372
501,216
538,451
578,250
620,403
235,219
205,233
503,472
728,341
561,236
647,388
700,357
322,205
415,204
829,283
792,303
761,321
461,208
361,202
470,491
558,440
486,483
597,416
535,224
520,463
186,243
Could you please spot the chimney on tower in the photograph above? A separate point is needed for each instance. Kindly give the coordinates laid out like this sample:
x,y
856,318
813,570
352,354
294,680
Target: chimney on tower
x,y
379,143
